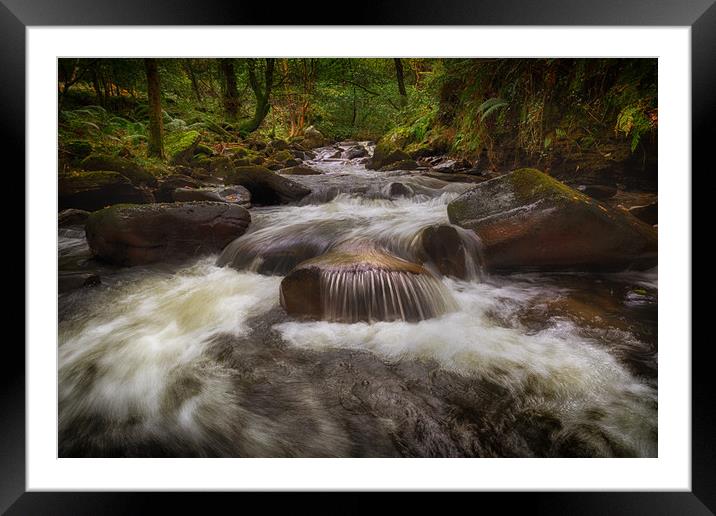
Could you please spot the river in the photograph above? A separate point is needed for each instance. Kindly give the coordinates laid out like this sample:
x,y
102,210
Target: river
x,y
201,360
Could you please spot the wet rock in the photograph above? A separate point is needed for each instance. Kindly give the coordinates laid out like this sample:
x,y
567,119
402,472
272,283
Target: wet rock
x,y
649,213
94,190
266,187
351,285
142,234
598,191
300,171
399,190
405,164
357,151
233,194
67,281
72,217
384,155
529,220
166,186
452,166
267,252
452,251
136,173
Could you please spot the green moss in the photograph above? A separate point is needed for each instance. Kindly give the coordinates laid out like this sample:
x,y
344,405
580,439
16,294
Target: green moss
x,y
135,172
530,183
180,145
282,155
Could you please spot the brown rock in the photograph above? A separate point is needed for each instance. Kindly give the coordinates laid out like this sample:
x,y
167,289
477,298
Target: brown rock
x,y
266,187
529,220
350,285
139,234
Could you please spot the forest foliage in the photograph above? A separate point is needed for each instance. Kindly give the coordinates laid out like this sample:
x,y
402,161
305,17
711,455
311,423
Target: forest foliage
x,y
493,110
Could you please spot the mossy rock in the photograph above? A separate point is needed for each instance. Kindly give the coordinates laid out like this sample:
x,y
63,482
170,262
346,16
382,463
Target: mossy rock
x,y
132,170
527,220
203,149
282,155
94,190
180,146
240,152
384,154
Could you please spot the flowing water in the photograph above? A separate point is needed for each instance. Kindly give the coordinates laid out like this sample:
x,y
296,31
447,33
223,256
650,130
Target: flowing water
x,y
202,360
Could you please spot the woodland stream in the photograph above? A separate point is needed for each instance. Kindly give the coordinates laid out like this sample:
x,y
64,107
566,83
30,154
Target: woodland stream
x,y
201,359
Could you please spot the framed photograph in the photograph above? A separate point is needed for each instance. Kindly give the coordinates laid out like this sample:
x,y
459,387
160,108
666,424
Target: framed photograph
x,y
448,252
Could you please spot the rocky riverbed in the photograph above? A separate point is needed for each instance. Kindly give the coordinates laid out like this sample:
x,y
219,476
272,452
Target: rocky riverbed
x,y
328,308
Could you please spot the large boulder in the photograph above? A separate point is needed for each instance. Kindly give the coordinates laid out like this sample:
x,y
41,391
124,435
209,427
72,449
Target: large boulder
x,y
135,172
129,234
356,151
363,284
313,138
385,154
266,187
231,194
92,191
529,220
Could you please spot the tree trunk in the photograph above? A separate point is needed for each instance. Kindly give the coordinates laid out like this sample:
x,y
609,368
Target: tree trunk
x,y
231,94
95,85
401,81
262,94
156,130
192,77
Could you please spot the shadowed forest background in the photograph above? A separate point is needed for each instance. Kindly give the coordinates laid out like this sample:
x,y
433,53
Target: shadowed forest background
x,y
558,115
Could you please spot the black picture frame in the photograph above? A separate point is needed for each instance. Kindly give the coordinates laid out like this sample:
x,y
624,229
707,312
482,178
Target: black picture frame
x,y
700,15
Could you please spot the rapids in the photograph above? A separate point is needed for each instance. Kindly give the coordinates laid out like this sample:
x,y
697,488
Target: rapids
x,y
201,359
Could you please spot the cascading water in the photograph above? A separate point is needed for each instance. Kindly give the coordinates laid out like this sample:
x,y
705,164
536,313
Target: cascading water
x,y
202,360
